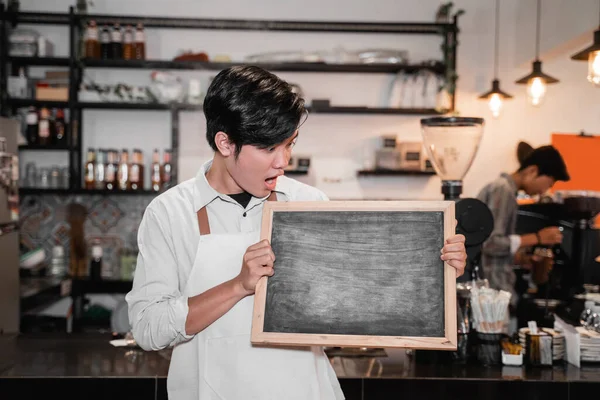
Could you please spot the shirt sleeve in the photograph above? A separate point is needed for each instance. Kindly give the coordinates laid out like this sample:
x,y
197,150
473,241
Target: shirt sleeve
x,y
157,309
515,244
502,204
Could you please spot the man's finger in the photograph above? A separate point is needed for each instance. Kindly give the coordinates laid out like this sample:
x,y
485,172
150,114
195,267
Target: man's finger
x,y
456,239
454,247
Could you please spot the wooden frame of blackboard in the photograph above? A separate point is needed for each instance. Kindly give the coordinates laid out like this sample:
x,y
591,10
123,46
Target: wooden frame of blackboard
x,y
446,341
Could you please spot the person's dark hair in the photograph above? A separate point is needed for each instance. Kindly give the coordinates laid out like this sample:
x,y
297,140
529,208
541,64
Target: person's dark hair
x,y
252,106
549,163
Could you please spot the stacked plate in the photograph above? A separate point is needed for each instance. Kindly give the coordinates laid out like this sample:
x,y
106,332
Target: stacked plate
x,y
589,345
558,341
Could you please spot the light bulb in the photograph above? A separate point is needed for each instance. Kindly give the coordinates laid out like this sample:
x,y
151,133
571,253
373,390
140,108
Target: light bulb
x,y
594,68
495,104
536,89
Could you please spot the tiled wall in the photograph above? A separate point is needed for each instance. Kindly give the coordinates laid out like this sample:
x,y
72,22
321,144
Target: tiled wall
x,y
111,220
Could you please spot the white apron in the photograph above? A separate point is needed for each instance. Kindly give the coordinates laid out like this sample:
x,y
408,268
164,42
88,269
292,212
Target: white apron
x,y
227,366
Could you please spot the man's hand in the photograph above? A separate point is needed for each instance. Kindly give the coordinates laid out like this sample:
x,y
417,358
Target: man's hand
x,y
454,253
258,262
550,236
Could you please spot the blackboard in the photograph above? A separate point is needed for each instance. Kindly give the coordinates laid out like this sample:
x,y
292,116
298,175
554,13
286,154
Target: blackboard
x,y
357,274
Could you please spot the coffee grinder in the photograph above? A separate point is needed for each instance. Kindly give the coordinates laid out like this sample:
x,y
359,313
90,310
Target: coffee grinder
x,y
451,144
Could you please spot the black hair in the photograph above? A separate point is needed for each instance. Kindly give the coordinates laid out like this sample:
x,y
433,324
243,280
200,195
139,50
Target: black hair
x,y
252,106
548,161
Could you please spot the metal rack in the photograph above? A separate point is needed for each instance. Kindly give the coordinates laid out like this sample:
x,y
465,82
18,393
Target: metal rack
x,y
76,65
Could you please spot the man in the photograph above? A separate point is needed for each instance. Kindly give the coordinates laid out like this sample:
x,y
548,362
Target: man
x,y
200,256
539,171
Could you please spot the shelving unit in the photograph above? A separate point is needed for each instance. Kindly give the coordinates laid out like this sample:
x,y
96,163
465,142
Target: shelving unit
x,y
391,172
76,65
24,191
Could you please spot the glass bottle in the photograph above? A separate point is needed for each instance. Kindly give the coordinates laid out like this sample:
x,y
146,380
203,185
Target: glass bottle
x,y
110,175
166,170
99,170
44,126
136,172
116,43
92,44
128,43
123,172
139,43
60,128
32,126
105,43
89,173
155,171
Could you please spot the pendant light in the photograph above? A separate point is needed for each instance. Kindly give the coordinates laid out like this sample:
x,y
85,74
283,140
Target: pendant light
x,y
536,81
592,56
496,96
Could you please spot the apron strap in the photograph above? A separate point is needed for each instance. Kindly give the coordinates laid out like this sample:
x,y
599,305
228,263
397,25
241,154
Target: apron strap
x,y
203,225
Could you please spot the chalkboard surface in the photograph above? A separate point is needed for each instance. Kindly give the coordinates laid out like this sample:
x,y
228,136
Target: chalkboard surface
x,y
368,270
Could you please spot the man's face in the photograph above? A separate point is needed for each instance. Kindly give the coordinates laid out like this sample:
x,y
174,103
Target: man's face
x,y
535,184
256,170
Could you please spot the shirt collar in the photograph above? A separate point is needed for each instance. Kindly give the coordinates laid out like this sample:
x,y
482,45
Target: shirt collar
x,y
510,181
206,194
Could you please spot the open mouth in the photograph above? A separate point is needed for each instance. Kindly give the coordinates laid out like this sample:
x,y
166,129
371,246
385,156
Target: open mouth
x,y
271,182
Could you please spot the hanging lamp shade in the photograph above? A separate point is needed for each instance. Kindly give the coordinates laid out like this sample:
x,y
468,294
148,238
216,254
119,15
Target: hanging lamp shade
x,y
495,90
584,54
591,54
537,73
537,80
496,96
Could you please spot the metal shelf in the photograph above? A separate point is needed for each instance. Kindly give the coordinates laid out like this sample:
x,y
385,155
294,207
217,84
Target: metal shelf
x,y
83,286
22,103
272,25
391,172
24,191
36,147
136,106
294,172
281,67
40,61
374,110
42,18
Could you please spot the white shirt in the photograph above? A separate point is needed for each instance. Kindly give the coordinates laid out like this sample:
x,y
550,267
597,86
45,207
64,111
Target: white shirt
x,y
167,239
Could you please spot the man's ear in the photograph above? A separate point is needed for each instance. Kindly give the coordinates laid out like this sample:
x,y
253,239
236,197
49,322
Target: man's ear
x,y
533,170
224,145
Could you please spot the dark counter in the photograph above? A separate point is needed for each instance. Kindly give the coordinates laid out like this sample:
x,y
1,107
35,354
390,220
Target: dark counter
x,y
88,367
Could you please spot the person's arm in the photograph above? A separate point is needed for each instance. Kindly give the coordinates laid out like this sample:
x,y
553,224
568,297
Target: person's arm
x,y
207,307
157,308
502,204
162,316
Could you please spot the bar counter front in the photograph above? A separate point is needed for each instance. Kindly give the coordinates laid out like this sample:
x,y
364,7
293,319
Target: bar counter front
x,y
87,366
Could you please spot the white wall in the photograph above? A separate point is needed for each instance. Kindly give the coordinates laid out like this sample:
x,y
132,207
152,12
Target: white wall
x,y
337,142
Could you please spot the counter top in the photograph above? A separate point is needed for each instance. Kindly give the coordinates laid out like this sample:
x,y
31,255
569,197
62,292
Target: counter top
x,y
92,356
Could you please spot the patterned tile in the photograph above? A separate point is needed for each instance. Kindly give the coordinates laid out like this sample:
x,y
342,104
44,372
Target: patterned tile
x,y
105,214
111,221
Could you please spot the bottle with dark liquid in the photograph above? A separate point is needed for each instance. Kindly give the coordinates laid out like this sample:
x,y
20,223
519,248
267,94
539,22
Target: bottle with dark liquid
x,y
60,128
128,43
136,170
116,43
155,171
110,175
139,43
31,133
96,263
92,44
123,172
89,172
44,127
105,43
166,170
